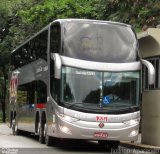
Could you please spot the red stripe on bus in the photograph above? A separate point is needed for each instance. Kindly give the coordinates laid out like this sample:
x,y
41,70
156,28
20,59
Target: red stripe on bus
x,y
40,106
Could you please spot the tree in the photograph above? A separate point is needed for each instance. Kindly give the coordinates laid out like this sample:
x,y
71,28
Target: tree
x,y
22,18
3,83
11,31
138,13
4,60
42,14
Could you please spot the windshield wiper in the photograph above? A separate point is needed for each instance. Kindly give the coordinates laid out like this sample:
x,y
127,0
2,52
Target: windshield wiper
x,y
71,104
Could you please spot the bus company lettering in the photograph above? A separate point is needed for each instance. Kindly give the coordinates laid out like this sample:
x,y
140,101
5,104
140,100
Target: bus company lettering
x,y
45,68
85,73
41,69
101,118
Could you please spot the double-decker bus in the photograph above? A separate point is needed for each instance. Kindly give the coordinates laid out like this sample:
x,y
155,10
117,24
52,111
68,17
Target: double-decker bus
x,y
78,79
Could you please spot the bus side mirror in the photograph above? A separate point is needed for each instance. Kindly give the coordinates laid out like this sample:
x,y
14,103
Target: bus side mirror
x,y
57,65
151,71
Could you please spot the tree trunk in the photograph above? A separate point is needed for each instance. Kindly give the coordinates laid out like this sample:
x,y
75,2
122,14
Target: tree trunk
x,y
3,111
3,102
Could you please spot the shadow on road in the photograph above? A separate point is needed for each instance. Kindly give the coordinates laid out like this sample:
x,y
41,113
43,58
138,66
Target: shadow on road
x,y
81,146
74,145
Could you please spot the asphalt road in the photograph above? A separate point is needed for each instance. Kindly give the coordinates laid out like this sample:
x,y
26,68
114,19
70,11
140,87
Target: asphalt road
x,y
28,144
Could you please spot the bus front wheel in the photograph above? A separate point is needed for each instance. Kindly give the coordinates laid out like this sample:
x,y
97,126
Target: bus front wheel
x,y
50,141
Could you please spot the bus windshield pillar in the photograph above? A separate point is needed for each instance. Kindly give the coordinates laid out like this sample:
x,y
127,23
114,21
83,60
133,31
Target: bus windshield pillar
x,y
57,65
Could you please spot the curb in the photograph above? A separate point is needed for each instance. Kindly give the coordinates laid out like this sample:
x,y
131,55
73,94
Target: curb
x,y
140,146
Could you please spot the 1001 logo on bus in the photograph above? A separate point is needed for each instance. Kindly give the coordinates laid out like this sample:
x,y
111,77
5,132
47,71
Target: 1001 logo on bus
x,y
101,118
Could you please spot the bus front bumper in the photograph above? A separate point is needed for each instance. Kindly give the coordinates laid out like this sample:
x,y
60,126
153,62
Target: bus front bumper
x,y
95,130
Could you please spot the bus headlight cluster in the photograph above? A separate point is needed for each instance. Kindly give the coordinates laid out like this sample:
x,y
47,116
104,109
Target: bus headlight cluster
x,y
133,133
65,129
132,122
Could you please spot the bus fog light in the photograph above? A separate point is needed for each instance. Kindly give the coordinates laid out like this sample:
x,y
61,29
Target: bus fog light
x,y
133,133
65,129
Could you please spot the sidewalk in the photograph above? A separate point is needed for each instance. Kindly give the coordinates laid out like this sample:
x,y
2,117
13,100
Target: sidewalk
x,y
138,145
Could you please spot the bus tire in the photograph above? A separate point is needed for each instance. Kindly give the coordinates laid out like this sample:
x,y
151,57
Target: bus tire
x,y
41,134
11,119
19,132
15,130
41,138
51,141
47,137
48,140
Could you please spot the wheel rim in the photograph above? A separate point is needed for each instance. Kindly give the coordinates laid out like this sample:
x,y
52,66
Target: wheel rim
x,y
39,127
45,134
13,127
45,129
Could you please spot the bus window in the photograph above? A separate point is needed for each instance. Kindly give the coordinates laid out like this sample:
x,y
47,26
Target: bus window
x,y
41,51
55,38
55,46
41,91
22,95
26,94
31,94
16,59
34,49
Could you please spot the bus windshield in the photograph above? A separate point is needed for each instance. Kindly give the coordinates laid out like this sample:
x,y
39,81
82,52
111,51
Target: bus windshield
x,y
102,42
93,89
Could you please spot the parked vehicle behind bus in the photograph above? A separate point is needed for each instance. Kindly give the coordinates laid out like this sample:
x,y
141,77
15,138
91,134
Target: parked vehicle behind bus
x,y
78,79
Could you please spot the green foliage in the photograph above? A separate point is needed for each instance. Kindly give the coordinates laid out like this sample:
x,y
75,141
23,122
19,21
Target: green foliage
x,y
9,27
25,17
40,15
22,18
135,12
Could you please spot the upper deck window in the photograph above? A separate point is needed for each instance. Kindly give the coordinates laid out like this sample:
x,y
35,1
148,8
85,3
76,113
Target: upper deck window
x,y
32,50
55,38
99,42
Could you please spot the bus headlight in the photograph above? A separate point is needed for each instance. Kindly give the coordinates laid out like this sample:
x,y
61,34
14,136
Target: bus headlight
x,y
133,133
65,129
66,117
132,122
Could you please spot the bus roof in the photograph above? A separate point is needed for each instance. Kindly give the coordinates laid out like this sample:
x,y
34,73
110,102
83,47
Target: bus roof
x,y
71,20
91,21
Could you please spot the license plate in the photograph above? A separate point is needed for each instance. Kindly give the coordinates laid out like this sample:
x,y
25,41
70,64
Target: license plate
x,y
100,134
